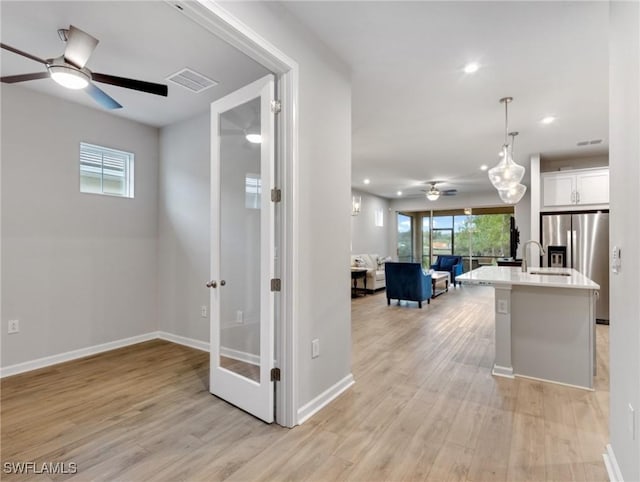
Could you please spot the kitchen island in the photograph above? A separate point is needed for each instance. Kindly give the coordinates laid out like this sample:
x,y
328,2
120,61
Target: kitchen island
x,y
545,322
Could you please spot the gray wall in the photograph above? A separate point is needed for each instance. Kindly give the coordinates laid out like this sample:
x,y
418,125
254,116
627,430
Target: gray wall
x,y
183,228
324,176
366,237
77,269
624,161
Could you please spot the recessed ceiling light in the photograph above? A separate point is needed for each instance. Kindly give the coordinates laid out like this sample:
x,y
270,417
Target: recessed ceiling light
x,y
471,67
548,120
484,167
254,138
399,193
367,181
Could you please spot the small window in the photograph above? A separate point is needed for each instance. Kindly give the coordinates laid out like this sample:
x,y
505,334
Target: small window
x,y
106,171
379,217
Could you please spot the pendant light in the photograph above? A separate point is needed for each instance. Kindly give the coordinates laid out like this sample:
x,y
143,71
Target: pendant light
x,y
513,194
506,174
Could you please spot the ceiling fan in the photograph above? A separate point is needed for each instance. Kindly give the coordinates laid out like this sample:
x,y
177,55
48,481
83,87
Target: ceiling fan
x,y
434,193
69,70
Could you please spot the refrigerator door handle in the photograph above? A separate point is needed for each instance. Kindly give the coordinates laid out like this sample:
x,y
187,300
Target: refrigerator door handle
x,y
569,250
574,261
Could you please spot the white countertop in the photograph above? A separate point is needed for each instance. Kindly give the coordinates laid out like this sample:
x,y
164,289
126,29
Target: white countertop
x,y
506,275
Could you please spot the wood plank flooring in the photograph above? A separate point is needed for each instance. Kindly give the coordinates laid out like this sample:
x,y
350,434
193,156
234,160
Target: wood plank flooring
x,y
424,407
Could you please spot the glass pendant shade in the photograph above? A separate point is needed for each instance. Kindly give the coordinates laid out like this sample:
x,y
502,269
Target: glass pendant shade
x,y
512,195
506,173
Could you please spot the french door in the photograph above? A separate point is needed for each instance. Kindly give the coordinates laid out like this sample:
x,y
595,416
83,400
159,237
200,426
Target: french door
x,y
242,248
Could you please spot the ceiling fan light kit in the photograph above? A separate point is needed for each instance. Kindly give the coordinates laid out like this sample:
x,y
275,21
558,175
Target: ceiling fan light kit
x,y
433,194
506,175
68,76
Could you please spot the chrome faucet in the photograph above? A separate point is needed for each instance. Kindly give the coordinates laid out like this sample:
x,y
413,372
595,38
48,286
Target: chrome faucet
x,y
524,253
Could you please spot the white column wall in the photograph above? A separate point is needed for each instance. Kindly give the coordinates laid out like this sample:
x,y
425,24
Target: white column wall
x,y
624,162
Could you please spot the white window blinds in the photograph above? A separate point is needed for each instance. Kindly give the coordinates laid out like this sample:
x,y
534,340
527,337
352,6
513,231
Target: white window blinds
x,y
106,171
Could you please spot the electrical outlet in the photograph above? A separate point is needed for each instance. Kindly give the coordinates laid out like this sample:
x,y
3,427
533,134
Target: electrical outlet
x,y
315,348
14,326
203,311
239,316
503,307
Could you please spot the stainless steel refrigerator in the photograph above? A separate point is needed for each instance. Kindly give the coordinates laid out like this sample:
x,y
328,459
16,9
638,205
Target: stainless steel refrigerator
x,y
580,241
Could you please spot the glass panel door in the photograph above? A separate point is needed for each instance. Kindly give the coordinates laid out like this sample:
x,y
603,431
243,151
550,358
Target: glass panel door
x,y
426,242
242,257
442,236
405,238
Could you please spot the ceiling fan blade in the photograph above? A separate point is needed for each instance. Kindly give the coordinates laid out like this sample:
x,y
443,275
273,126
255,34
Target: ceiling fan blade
x,y
80,46
449,192
24,54
141,85
12,79
101,97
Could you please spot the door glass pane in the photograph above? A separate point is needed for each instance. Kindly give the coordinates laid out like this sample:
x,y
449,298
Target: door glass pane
x,y
426,242
240,260
405,236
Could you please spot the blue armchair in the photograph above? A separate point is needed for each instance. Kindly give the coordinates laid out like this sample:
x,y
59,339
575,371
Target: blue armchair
x,y
452,264
407,281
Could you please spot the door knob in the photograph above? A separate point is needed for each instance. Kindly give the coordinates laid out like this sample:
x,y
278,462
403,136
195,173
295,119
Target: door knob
x,y
212,284
222,282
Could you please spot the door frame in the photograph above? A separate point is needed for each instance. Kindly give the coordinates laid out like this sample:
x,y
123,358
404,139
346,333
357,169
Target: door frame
x,y
221,23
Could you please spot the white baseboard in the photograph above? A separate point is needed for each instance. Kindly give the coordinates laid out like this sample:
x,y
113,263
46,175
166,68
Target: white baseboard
x,y
610,462
240,355
73,355
183,340
307,411
94,350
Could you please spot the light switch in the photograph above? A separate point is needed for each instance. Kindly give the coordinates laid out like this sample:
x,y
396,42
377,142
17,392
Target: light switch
x,y
503,307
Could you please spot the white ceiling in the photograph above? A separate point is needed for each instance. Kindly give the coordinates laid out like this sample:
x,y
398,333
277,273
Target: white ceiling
x,y
418,117
141,40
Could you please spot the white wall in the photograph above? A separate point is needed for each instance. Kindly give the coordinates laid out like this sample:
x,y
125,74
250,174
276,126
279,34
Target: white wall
x,y
183,228
324,177
77,269
624,161
366,237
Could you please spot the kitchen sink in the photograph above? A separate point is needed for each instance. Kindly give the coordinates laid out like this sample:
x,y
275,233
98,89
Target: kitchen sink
x,y
547,273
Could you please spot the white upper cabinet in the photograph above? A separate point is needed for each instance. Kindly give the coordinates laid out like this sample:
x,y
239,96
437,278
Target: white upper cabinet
x,y
593,187
571,188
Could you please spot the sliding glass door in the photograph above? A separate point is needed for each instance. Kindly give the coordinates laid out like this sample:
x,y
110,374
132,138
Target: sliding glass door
x,y
405,238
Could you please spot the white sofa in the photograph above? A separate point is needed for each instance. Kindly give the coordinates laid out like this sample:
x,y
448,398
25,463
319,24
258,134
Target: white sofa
x,y
375,270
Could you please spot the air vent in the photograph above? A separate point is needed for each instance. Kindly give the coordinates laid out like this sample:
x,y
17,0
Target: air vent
x,y
191,80
587,143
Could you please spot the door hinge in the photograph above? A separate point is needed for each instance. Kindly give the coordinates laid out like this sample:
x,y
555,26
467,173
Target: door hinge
x,y
276,284
275,374
276,106
276,195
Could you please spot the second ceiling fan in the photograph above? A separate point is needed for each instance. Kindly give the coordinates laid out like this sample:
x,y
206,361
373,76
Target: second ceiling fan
x,y
433,194
69,70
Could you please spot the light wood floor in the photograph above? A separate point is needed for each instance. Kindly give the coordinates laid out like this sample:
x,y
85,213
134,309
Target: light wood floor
x,y
424,407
